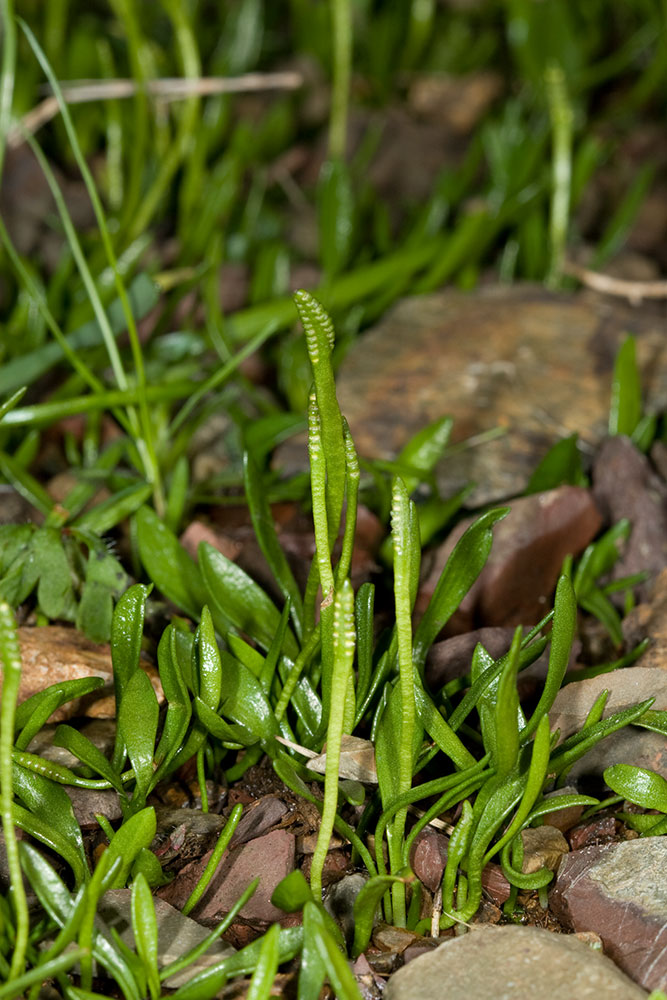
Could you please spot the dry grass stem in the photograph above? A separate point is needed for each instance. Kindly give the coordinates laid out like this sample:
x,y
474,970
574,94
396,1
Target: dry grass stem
x,y
167,89
634,291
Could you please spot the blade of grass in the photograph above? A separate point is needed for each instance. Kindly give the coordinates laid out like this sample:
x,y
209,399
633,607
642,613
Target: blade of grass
x,y
142,424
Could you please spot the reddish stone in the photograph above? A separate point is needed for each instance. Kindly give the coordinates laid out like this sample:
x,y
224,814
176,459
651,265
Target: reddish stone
x,y
54,653
270,858
429,857
598,831
618,891
625,486
495,884
529,546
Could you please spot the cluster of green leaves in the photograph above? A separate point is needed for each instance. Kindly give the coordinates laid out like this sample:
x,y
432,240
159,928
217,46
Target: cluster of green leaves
x,y
256,679
205,171
251,676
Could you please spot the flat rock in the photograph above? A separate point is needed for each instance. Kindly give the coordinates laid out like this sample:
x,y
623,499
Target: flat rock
x,y
537,364
268,858
625,486
630,745
258,819
87,803
619,892
543,847
53,653
511,963
529,546
177,934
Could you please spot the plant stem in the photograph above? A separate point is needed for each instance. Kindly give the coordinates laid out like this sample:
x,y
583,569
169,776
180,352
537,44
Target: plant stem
x,y
344,644
403,574
560,112
10,656
341,23
7,73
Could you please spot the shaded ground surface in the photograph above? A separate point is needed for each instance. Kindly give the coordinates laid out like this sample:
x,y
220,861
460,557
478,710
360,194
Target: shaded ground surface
x,y
544,355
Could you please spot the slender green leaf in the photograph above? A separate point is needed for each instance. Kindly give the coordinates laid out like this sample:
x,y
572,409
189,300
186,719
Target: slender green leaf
x,y
365,908
86,751
507,707
266,535
45,832
35,710
168,565
424,450
136,832
237,602
267,966
439,730
126,634
561,465
209,662
144,296
179,709
564,626
137,722
144,926
292,892
52,806
462,569
116,508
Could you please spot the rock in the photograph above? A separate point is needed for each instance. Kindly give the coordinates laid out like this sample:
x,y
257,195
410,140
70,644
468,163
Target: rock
x,y
536,363
87,802
599,831
53,653
649,620
495,884
625,486
177,934
258,819
335,867
268,858
184,834
564,819
339,902
529,546
619,892
450,658
370,986
511,963
429,857
394,939
543,847
630,745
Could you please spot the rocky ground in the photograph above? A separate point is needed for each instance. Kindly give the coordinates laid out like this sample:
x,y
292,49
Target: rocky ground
x,y
538,366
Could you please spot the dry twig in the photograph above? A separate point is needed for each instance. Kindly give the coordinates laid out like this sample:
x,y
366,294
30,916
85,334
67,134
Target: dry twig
x,y
634,291
166,89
